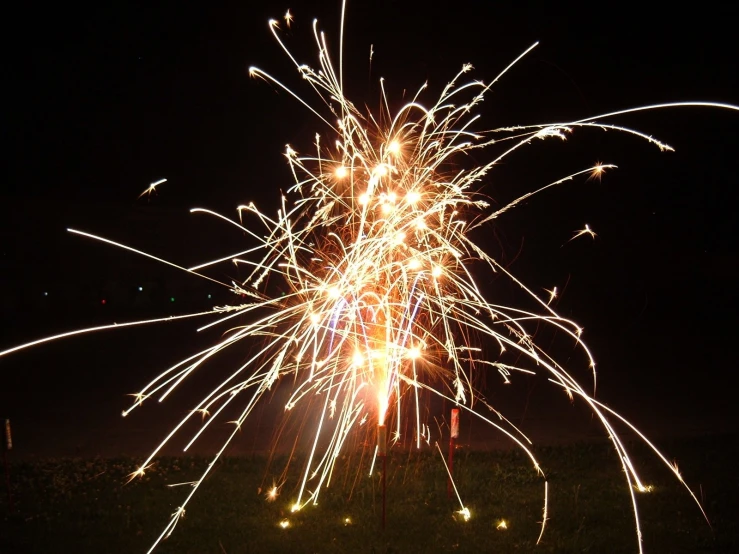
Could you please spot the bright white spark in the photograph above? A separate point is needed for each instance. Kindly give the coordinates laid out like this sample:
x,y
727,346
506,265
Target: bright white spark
x,y
152,187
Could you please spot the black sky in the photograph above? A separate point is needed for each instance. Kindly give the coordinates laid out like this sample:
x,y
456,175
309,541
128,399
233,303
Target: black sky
x,y
101,102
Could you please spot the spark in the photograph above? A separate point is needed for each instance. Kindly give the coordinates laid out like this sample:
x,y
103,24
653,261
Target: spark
x,y
412,197
586,231
288,17
552,295
545,515
152,187
139,398
139,472
464,511
188,483
598,170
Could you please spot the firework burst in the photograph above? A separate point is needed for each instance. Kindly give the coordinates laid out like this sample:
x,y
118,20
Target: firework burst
x,y
379,311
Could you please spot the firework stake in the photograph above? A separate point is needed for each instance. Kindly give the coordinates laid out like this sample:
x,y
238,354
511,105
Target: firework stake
x,y
453,435
382,453
7,445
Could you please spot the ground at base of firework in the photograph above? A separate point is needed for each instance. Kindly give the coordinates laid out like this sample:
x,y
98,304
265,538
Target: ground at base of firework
x,y
84,505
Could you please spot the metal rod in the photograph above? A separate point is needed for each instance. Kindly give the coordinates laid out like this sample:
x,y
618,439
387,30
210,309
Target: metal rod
x,y
7,480
7,445
384,472
382,453
451,468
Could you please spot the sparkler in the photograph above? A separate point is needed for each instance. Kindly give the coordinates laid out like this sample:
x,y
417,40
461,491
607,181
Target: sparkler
x,y
372,244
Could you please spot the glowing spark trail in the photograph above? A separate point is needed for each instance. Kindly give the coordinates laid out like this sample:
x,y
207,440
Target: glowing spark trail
x,y
152,187
360,289
586,231
464,511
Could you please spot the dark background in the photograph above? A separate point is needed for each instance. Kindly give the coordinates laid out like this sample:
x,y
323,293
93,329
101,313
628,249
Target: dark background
x,y
102,101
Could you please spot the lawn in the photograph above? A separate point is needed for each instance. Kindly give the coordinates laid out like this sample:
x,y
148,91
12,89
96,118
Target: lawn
x,y
84,505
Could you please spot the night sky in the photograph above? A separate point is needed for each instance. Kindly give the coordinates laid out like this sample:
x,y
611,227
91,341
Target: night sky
x,y
100,103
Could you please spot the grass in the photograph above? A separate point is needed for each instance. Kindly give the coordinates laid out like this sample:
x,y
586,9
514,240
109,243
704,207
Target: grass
x,y
82,505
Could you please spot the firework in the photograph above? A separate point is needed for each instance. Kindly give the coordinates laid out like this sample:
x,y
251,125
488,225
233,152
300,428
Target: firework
x,y
372,249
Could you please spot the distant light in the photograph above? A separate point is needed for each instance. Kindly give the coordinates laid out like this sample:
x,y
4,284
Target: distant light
x,y
171,298
46,293
210,296
103,301
141,288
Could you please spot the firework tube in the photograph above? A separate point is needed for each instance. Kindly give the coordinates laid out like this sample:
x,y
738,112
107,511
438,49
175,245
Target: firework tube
x,y
453,435
382,440
7,438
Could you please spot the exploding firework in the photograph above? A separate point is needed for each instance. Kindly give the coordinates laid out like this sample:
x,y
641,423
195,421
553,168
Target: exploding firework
x,y
377,309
